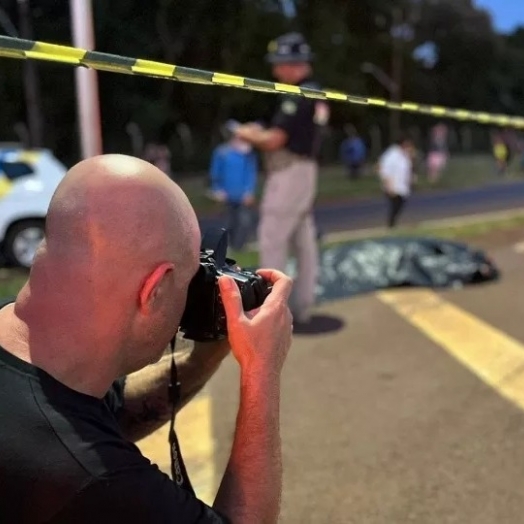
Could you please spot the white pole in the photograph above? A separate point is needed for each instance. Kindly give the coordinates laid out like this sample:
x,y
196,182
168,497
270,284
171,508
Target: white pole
x,y
86,81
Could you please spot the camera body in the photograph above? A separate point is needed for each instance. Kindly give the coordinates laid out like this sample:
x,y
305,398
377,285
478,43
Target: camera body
x,y
204,318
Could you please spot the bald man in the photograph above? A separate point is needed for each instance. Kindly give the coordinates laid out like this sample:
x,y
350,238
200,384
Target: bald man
x,y
105,296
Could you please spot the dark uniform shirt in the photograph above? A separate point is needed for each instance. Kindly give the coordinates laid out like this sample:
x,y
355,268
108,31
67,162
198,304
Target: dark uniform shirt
x,y
302,119
64,460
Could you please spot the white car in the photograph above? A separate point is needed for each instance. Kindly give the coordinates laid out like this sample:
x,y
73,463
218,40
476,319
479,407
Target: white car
x,y
28,179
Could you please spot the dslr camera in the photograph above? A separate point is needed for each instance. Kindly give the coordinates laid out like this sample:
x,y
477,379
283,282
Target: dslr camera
x,y
204,317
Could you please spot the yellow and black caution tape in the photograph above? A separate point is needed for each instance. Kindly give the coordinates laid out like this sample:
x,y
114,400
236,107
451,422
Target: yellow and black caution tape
x,y
28,49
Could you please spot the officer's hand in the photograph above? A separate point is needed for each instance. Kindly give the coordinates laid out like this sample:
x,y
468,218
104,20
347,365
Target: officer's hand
x,y
244,133
260,340
255,126
247,132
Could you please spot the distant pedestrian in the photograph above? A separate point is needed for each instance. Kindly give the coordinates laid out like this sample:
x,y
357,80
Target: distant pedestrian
x,y
396,174
160,156
353,152
501,153
233,172
438,152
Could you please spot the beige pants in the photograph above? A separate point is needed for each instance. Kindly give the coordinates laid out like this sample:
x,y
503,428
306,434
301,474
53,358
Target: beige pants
x,y
286,221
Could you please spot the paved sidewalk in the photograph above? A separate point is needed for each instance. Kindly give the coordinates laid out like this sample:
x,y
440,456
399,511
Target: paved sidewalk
x,y
411,412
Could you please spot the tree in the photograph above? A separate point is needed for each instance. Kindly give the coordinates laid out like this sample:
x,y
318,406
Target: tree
x,y
473,68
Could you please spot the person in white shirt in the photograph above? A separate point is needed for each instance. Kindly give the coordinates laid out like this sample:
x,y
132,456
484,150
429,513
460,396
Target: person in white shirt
x,y
395,171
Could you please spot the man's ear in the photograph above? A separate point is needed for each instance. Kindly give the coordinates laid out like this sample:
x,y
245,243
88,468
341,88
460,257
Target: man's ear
x,y
150,290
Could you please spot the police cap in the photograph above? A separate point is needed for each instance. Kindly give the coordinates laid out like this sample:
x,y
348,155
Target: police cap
x,y
289,48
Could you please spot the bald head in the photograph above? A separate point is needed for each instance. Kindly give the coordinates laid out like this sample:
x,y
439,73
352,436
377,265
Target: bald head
x,y
110,207
121,246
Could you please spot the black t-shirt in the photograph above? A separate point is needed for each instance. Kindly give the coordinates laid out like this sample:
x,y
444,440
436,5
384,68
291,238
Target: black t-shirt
x,y
64,460
302,119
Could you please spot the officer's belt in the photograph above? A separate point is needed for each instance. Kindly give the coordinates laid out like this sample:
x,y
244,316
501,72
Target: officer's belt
x,y
282,159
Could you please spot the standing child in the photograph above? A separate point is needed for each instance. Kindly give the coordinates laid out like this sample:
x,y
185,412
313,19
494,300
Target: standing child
x,y
233,172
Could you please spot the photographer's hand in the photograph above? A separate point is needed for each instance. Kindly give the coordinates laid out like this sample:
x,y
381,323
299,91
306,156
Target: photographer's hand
x,y
260,340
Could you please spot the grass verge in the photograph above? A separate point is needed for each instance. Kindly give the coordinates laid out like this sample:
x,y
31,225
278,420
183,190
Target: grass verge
x,y
461,232
472,231
462,172
11,281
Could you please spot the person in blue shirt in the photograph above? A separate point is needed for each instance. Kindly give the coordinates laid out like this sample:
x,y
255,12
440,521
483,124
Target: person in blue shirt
x,y
353,152
233,171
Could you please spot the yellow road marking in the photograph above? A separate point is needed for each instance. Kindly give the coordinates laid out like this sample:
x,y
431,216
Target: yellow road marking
x,y
195,435
490,354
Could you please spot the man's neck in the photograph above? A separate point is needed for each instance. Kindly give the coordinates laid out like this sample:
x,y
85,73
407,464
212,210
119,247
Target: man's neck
x,y
40,338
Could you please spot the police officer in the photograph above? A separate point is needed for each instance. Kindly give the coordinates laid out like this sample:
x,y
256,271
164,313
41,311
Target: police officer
x,y
290,146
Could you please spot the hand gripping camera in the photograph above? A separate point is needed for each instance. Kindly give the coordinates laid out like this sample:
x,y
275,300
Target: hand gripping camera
x,y
204,318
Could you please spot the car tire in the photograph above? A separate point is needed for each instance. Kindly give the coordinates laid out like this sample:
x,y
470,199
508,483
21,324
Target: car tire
x,y
21,242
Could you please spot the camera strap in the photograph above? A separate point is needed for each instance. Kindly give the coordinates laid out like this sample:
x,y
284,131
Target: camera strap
x,y
178,468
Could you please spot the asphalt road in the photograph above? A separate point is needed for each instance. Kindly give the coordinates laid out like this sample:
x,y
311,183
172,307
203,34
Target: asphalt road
x,y
371,213
412,411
